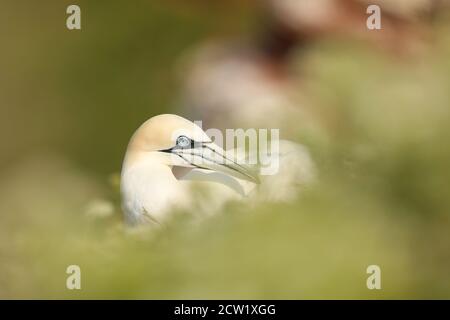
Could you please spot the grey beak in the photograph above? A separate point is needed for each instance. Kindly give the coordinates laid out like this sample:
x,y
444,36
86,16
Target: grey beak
x,y
211,157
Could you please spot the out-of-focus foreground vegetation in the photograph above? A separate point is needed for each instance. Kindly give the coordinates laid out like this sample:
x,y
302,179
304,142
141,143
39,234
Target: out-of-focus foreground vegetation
x,y
71,100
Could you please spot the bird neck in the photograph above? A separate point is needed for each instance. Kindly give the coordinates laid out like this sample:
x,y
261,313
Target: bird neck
x,y
149,184
149,163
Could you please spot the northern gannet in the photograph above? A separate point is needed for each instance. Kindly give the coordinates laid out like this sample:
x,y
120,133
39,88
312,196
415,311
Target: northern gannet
x,y
152,183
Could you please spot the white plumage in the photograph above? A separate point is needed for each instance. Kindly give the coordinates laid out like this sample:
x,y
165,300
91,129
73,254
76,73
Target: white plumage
x,y
170,158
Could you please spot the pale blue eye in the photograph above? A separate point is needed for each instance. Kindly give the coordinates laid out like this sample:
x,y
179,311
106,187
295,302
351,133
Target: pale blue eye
x,y
183,141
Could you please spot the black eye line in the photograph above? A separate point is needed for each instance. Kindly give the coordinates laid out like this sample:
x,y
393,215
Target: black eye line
x,y
176,147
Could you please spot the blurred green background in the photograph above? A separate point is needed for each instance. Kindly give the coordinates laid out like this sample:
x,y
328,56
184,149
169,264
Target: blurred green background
x,y
70,101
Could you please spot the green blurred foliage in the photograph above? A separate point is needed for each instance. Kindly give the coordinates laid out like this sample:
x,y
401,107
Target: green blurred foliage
x,y
71,100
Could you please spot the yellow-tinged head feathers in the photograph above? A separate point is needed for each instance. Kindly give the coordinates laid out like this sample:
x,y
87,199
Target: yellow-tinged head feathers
x,y
161,132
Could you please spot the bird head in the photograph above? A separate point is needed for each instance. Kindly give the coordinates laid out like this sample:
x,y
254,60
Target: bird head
x,y
175,141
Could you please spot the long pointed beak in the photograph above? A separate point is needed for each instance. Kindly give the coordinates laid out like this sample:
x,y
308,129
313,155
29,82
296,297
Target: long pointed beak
x,y
212,157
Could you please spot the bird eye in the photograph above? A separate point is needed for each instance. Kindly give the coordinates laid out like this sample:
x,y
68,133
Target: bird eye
x,y
183,141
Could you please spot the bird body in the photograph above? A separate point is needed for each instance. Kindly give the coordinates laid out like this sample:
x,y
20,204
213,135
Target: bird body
x,y
151,190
